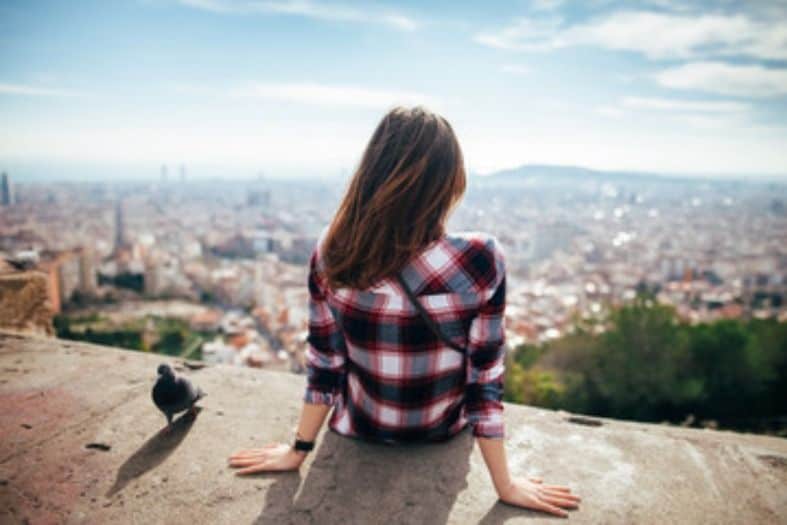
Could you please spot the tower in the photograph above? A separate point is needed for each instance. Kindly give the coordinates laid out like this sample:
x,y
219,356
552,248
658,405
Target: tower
x,y
6,195
120,227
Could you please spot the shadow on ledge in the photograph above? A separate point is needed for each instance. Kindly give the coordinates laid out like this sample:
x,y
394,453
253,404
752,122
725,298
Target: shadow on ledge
x,y
153,452
351,481
501,513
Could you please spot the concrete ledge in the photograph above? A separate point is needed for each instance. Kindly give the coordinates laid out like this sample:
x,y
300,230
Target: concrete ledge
x,y
78,444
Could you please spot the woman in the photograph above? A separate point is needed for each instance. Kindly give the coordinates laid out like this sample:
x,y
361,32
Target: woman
x,y
371,354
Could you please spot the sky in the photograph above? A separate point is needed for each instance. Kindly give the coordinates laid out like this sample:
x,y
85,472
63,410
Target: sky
x,y
295,87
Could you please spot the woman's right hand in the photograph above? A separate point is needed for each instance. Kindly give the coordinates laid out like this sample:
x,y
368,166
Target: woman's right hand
x,y
533,494
270,457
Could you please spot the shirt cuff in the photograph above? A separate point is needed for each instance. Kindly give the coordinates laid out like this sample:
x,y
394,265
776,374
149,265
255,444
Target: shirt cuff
x,y
318,397
486,429
487,422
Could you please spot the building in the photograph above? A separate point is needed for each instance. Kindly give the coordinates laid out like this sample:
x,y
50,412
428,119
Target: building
x,y
6,191
63,270
153,276
120,228
88,281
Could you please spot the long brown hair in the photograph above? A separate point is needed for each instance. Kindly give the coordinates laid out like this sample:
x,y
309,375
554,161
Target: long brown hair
x,y
410,177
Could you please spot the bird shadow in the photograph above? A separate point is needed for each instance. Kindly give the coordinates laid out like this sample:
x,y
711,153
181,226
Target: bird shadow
x,y
155,450
355,481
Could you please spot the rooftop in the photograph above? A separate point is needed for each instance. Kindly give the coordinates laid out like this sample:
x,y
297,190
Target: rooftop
x,y
79,443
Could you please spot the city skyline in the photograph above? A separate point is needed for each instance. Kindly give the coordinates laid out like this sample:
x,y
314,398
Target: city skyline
x,y
295,88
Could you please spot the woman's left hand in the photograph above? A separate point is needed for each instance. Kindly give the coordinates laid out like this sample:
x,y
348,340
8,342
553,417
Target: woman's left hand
x,y
269,457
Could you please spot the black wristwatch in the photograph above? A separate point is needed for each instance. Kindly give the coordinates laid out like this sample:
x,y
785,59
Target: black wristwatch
x,y
303,446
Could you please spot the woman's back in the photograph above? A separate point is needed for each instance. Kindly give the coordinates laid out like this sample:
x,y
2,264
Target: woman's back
x,y
371,355
391,378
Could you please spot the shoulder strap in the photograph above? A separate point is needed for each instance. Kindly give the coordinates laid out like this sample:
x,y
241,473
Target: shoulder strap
x,y
426,317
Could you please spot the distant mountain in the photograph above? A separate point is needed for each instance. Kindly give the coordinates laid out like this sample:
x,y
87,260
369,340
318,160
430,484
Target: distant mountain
x,y
555,175
539,174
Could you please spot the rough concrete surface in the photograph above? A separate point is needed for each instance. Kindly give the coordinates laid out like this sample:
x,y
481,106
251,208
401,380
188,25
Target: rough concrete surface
x,y
79,444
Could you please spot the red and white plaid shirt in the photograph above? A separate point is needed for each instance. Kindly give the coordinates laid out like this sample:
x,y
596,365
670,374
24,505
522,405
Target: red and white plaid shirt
x,y
388,376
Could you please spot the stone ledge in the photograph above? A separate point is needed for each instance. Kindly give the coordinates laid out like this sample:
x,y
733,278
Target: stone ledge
x,y
78,444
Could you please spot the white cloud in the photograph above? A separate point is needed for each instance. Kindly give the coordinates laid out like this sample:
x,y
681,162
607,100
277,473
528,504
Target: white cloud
x,y
34,91
654,34
670,104
333,95
709,122
697,113
545,5
216,6
660,35
524,34
308,9
726,79
400,22
515,69
610,111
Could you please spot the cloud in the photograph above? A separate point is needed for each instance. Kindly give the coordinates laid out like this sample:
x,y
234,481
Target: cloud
x,y
308,9
524,34
610,111
400,22
545,5
215,6
33,91
333,95
726,79
669,104
713,114
515,69
710,122
656,35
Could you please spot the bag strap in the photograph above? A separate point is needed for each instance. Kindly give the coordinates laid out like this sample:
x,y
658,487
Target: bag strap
x,y
426,317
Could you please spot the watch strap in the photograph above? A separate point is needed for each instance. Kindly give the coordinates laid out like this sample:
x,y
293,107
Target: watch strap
x,y
302,445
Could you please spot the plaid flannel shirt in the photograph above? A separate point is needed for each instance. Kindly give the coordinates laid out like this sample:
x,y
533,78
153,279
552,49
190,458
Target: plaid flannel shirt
x,y
388,376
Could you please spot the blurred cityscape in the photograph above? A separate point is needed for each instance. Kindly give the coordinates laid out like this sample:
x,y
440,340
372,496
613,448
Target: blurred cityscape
x,y
216,269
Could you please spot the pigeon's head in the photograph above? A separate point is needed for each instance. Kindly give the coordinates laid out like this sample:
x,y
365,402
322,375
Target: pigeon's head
x,y
165,370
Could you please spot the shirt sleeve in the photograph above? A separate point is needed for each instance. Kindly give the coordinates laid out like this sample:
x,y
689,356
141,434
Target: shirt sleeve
x,y
325,349
486,355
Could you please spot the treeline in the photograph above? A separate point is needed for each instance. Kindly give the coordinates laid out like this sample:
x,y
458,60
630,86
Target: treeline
x,y
150,334
646,365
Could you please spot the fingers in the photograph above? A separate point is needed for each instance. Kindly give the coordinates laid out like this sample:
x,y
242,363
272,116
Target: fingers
x,y
559,502
253,451
246,462
560,494
258,467
263,447
250,455
552,509
540,481
255,455
561,488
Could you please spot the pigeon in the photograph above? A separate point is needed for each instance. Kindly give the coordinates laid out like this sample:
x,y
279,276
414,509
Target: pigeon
x,y
173,394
